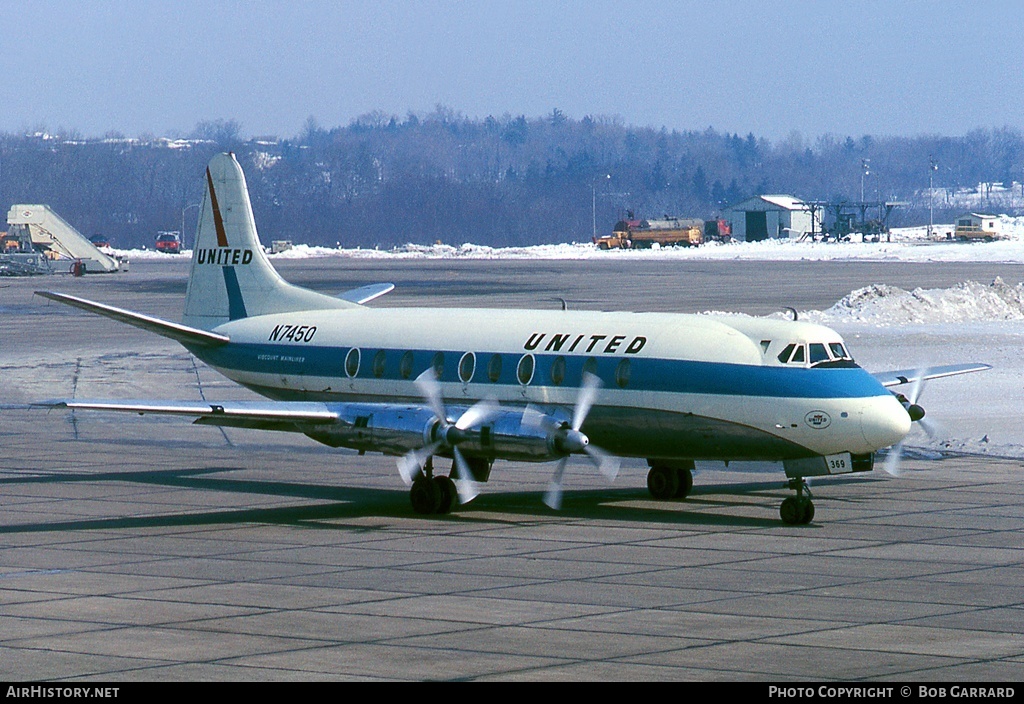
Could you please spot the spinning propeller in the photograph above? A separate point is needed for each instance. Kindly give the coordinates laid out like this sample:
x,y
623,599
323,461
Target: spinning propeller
x,y
410,464
568,439
916,413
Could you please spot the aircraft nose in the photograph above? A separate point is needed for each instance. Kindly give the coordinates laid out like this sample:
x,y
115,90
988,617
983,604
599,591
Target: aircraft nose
x,y
885,423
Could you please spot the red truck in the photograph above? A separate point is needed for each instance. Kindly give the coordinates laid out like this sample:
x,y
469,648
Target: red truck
x,y
169,242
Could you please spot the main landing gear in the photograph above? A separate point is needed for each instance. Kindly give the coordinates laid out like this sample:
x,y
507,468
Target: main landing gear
x,y
798,509
674,481
430,494
670,481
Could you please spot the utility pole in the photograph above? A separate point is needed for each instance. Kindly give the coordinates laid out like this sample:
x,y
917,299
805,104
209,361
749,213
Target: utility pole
x,y
183,211
933,166
593,206
865,165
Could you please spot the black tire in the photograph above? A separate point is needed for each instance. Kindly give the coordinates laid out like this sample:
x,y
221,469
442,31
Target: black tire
x,y
663,482
808,512
791,511
425,496
685,483
448,494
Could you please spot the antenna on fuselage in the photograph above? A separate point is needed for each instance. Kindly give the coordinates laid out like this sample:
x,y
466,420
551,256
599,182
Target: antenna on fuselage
x,y
793,311
565,306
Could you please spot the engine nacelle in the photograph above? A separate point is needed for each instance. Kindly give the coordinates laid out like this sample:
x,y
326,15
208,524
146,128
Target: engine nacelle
x,y
387,428
395,430
505,435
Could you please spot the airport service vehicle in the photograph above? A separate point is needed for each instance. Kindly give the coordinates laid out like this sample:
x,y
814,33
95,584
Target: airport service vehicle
x,y
978,227
480,385
667,232
169,242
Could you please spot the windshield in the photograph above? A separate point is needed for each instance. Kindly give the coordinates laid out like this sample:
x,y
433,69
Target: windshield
x,y
831,354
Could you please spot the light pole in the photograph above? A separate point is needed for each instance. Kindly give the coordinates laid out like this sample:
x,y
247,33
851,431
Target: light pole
x,y
183,211
593,202
933,166
865,165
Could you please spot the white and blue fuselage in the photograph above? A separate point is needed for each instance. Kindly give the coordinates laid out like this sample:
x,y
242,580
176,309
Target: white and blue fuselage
x,y
673,386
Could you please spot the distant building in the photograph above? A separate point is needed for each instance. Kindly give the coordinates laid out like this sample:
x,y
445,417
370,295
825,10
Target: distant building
x,y
772,216
972,226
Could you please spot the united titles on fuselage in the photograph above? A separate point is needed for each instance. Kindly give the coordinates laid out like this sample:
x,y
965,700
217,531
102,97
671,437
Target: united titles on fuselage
x,y
606,344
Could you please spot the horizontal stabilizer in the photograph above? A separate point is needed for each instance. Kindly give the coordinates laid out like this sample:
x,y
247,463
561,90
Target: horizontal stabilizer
x,y
230,413
175,331
365,294
910,376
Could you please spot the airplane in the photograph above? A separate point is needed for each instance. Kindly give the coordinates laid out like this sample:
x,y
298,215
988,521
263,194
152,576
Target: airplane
x,y
478,385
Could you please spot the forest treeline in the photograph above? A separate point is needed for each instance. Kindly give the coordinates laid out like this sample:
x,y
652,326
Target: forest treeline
x,y
384,181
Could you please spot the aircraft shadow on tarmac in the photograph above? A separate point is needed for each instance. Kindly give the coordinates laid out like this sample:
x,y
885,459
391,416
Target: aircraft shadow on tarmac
x,y
630,504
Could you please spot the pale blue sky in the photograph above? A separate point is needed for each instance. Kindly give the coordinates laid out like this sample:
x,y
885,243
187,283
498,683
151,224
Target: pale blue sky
x,y
771,68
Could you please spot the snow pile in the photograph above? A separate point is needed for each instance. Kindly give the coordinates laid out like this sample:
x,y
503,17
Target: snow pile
x,y
137,255
910,244
477,251
884,305
304,251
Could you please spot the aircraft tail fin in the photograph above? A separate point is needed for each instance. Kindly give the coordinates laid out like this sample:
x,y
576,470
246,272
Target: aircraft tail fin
x,y
231,277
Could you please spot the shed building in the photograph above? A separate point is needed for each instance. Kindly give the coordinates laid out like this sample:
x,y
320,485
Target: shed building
x,y
772,217
978,226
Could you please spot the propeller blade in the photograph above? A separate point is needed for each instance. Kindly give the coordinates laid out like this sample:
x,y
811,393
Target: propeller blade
x,y
606,463
533,417
933,429
478,413
553,496
892,460
584,402
918,387
410,464
464,484
430,387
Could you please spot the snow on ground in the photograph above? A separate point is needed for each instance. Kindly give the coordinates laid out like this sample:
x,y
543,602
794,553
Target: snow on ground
x,y
968,301
908,244
888,328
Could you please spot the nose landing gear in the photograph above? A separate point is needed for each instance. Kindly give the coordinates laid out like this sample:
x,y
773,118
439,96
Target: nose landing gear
x,y
799,509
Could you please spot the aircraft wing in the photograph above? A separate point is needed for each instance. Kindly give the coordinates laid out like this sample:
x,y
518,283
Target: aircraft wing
x,y
365,294
910,376
263,415
175,331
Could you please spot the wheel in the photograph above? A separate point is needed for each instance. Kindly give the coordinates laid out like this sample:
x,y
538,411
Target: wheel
x,y
448,493
662,482
685,483
425,495
808,512
797,510
790,511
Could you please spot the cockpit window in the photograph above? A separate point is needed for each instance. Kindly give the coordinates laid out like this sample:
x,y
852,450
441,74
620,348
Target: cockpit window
x,y
838,351
818,354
